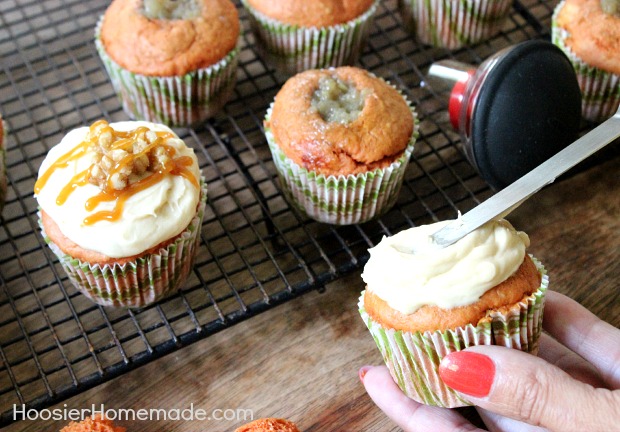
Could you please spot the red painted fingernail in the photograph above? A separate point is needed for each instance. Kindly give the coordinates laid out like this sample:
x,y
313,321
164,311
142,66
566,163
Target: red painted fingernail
x,y
362,372
468,372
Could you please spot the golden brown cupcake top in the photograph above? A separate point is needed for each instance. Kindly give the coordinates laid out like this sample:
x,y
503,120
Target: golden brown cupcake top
x,y
269,425
314,13
371,128
593,35
169,46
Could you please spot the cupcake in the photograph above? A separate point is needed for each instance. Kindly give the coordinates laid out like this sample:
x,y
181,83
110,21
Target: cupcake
x,y
454,24
589,34
269,425
298,35
341,141
422,302
3,181
170,62
121,206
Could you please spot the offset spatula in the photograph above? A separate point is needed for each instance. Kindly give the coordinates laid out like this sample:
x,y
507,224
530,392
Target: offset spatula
x,y
509,198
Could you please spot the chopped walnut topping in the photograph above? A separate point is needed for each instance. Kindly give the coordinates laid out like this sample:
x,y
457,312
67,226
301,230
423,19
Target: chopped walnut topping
x,y
122,158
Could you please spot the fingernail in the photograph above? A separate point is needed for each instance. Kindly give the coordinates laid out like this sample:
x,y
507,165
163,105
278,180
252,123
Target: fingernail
x,y
468,372
362,372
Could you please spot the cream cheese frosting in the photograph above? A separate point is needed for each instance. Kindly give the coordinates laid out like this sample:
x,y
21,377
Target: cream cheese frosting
x,y
150,216
408,271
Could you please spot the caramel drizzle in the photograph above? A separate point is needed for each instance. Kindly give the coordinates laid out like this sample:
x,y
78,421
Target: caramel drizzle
x,y
176,166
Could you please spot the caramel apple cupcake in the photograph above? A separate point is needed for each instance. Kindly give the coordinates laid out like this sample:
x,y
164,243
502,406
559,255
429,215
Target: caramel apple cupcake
x,y
423,302
454,24
121,206
588,31
170,62
341,141
269,425
296,35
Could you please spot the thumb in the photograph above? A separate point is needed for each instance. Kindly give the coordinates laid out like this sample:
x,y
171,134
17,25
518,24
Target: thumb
x,y
524,387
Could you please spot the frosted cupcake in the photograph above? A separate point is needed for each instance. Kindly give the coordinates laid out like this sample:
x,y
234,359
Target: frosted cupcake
x,y
422,302
341,141
121,206
588,31
170,62
454,24
298,35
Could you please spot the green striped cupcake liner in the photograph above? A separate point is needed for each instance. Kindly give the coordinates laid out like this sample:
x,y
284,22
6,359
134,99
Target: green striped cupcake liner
x,y
341,200
413,358
142,281
454,24
600,90
292,49
174,100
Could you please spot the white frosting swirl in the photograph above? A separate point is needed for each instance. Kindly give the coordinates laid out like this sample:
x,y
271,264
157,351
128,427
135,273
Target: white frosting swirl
x,y
408,271
149,217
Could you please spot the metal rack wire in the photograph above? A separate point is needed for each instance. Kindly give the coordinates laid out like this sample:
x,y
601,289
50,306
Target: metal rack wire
x,y
256,250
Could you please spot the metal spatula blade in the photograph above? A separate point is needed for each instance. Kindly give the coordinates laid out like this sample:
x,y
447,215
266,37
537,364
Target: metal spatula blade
x,y
509,198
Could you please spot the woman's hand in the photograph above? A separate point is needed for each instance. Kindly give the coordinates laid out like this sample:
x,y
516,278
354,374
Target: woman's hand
x,y
574,384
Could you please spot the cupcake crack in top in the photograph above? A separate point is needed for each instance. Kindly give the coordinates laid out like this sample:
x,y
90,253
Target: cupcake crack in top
x,y
340,121
118,189
315,13
169,38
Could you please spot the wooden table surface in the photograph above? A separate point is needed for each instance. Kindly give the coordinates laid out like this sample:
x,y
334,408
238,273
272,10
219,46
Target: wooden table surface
x,y
300,359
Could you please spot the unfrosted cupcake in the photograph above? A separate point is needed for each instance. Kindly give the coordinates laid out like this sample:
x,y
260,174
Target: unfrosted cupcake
x,y
171,62
341,141
296,35
589,35
422,302
269,425
454,24
121,205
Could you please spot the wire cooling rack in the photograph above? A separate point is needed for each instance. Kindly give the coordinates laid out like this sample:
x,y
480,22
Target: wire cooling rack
x,y
256,251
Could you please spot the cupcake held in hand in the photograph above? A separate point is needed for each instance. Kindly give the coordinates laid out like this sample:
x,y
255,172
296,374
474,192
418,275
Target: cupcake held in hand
x,y
422,302
170,62
299,35
588,31
121,206
341,141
